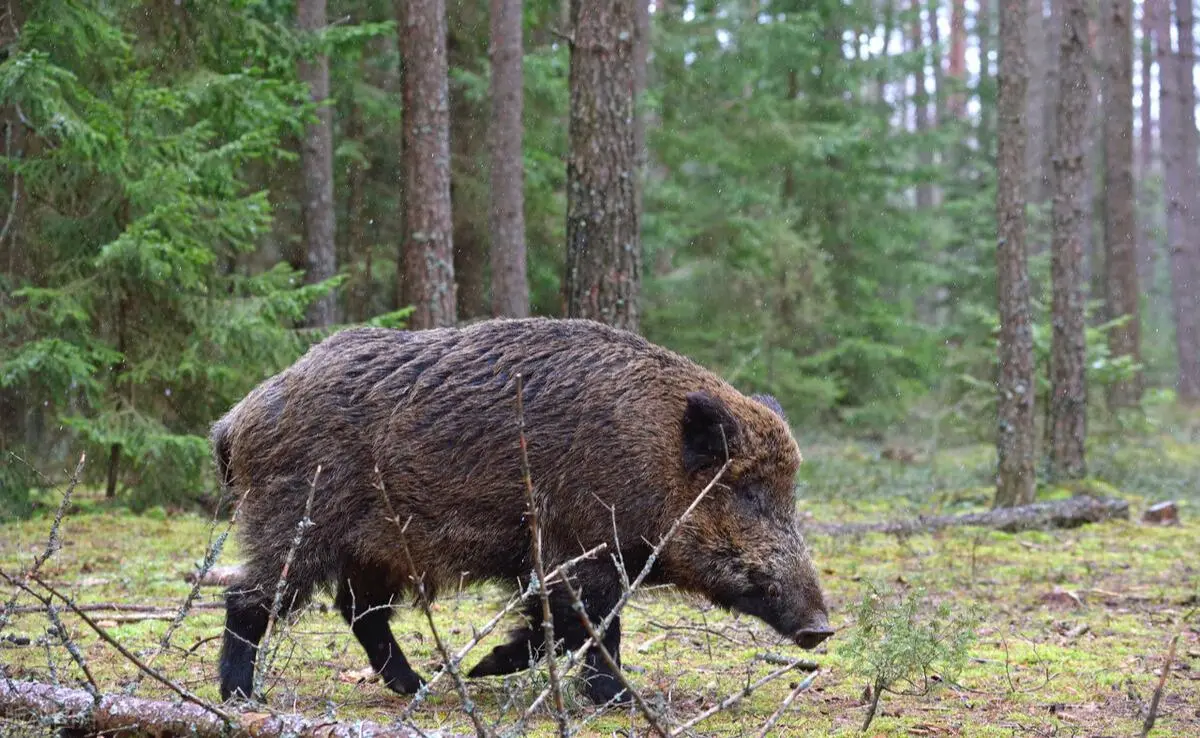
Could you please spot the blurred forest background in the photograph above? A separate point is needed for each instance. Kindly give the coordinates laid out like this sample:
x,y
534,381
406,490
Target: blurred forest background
x,y
803,196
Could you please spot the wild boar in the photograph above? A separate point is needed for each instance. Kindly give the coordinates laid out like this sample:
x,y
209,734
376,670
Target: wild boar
x,y
622,436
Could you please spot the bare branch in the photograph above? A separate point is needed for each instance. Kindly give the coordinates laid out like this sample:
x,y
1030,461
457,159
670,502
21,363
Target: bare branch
x,y
53,543
535,537
210,558
787,702
1152,713
281,585
577,606
185,694
418,578
737,697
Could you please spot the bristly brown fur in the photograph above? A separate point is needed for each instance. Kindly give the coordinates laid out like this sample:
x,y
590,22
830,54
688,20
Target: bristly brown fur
x,y
612,422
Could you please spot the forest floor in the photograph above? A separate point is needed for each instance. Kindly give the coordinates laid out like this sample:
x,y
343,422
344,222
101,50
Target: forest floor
x,y
1074,627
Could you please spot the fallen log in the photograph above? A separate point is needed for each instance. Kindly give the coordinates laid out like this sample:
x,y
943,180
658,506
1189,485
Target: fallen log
x,y
127,607
1069,513
49,705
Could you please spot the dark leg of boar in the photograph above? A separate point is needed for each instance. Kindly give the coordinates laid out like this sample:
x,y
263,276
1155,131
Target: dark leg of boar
x,y
599,594
367,608
247,611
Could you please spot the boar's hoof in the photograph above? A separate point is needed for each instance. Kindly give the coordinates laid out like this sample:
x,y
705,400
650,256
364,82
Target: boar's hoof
x,y
508,658
810,639
403,682
603,688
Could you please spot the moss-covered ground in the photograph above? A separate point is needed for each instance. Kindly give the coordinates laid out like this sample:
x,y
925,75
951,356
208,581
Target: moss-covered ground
x,y
1074,631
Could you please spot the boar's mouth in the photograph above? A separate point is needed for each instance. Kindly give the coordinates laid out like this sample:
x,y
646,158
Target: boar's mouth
x,y
807,631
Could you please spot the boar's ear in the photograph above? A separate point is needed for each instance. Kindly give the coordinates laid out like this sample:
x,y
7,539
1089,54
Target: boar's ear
x,y
771,404
709,429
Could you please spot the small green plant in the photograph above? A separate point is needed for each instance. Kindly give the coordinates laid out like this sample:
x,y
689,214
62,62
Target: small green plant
x,y
897,641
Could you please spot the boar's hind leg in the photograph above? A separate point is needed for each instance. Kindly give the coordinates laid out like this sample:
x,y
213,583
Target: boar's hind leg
x,y
524,647
247,610
367,608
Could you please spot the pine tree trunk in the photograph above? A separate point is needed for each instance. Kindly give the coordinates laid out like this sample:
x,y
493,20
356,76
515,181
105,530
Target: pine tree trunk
x,y
1145,162
939,79
921,105
1015,439
1187,98
983,88
1120,224
957,66
1068,388
510,286
1181,206
1037,170
316,161
428,276
603,269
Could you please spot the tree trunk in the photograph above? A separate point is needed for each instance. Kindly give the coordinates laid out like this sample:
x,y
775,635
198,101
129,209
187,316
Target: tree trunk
x,y
1145,162
428,276
983,88
1015,385
316,160
957,67
1187,100
510,285
1181,206
1120,230
603,269
1037,170
939,77
1068,387
921,106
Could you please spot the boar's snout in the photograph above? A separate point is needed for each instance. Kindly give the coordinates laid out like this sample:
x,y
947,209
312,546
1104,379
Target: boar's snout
x,y
814,632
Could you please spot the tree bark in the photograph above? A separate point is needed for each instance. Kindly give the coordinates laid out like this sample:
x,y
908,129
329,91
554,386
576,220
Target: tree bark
x,y
1015,385
983,87
1187,99
939,75
428,263
1145,162
1037,171
74,711
921,107
316,161
1120,229
603,269
1068,358
510,283
1181,205
956,104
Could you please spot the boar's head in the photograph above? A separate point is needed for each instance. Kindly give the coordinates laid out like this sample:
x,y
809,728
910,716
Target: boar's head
x,y
742,547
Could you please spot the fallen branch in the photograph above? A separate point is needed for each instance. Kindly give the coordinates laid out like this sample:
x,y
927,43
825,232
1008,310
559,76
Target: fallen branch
x,y
150,611
75,710
1070,513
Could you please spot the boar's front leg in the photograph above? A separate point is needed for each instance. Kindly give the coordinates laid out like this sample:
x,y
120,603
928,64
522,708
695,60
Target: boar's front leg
x,y
367,607
601,683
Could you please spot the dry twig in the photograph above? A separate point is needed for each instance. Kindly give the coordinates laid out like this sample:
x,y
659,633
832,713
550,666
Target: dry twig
x,y
535,537
1152,713
787,702
737,697
104,635
53,542
595,637
281,585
